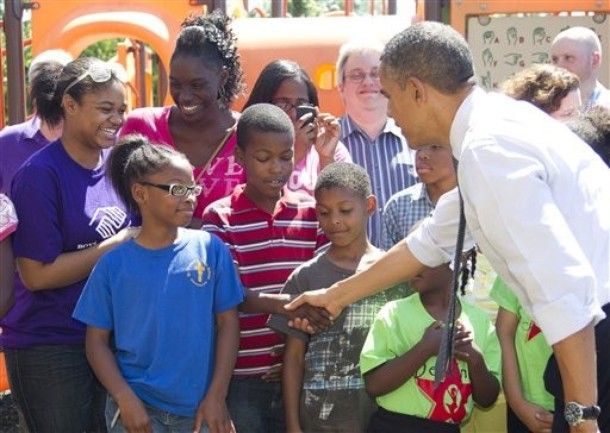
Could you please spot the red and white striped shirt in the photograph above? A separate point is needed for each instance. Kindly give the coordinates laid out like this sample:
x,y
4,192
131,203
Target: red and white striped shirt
x,y
266,248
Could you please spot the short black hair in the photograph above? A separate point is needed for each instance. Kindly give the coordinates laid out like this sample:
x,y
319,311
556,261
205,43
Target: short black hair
x,y
432,52
211,39
272,77
345,175
262,118
131,160
593,127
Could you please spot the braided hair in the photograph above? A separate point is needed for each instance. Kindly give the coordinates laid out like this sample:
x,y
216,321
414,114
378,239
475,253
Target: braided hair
x,y
467,272
131,160
210,38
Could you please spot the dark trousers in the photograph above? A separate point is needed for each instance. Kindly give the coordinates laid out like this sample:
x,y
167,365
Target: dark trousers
x,y
384,421
256,406
56,390
513,423
552,379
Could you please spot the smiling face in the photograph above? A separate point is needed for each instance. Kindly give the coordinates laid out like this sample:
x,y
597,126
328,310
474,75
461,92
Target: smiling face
x,y
343,215
157,206
404,110
194,86
267,160
360,87
98,116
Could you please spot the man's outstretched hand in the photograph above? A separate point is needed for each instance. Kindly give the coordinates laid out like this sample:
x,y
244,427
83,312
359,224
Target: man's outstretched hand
x,y
318,298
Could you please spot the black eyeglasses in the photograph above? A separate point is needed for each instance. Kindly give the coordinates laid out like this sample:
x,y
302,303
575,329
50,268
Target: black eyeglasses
x,y
287,104
177,189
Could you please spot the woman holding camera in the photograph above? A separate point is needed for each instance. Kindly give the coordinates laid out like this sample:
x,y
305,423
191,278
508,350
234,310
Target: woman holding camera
x,y
286,84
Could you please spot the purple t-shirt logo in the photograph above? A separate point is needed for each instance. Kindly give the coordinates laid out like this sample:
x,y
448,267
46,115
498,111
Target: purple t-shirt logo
x,y
108,220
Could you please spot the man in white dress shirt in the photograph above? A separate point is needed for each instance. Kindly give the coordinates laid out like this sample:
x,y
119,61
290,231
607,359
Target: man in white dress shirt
x,y
536,200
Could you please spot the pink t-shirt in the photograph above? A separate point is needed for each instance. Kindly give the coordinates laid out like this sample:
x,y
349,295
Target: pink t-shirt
x,y
305,172
218,177
8,217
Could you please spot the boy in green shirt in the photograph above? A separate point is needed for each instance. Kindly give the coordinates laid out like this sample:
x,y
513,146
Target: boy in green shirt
x,y
399,354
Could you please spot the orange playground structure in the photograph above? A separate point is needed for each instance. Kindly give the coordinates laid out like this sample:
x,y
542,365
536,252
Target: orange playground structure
x,y
313,42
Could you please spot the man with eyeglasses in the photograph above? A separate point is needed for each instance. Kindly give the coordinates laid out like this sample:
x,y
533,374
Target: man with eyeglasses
x,y
372,138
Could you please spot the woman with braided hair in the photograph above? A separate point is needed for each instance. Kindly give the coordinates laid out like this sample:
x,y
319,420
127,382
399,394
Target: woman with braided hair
x,y
205,75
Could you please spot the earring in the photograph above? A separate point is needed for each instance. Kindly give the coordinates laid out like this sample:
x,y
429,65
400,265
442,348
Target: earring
x,y
221,97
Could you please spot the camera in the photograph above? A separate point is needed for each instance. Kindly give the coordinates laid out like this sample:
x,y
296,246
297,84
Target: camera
x,y
306,109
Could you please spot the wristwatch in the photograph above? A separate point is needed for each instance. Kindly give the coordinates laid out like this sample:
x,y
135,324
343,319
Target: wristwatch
x,y
576,413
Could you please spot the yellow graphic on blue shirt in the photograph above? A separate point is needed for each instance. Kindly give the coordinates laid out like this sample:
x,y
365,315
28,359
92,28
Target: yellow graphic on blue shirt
x,y
198,273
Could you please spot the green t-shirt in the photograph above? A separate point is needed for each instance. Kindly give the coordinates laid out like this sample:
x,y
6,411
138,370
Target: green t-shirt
x,y
401,324
532,349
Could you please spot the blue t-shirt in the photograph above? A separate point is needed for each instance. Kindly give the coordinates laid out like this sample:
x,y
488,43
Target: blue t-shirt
x,y
160,305
62,207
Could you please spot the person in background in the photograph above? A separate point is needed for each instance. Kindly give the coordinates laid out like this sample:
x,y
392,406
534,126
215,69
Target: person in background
x,y
69,216
19,142
286,84
593,127
434,167
525,354
205,76
552,89
322,386
399,356
579,50
8,225
169,290
371,137
270,231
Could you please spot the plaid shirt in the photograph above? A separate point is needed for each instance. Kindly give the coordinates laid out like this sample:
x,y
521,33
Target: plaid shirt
x,y
388,161
402,211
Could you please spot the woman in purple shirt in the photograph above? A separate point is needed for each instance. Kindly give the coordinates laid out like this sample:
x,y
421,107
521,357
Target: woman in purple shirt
x,y
69,215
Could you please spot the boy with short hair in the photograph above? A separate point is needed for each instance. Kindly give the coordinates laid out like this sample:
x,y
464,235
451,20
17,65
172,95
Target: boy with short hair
x,y
270,231
325,365
434,167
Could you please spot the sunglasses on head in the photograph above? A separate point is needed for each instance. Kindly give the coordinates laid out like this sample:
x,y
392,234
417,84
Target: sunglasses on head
x,y
177,189
99,72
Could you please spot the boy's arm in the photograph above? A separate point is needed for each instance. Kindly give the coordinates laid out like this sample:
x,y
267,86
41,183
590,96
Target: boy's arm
x,y
257,302
535,417
391,375
292,381
213,409
485,386
133,415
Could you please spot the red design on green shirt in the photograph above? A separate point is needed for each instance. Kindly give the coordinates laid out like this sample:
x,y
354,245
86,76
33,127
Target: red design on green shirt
x,y
533,331
450,398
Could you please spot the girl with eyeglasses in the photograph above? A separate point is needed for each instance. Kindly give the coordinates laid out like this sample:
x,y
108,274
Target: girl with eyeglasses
x,y
286,84
69,215
205,76
161,309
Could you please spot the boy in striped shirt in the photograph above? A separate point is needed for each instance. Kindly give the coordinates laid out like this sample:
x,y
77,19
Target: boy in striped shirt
x,y
270,231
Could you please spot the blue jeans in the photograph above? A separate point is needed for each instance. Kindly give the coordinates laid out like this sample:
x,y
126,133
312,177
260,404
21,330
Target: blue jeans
x,y
161,421
256,406
56,390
